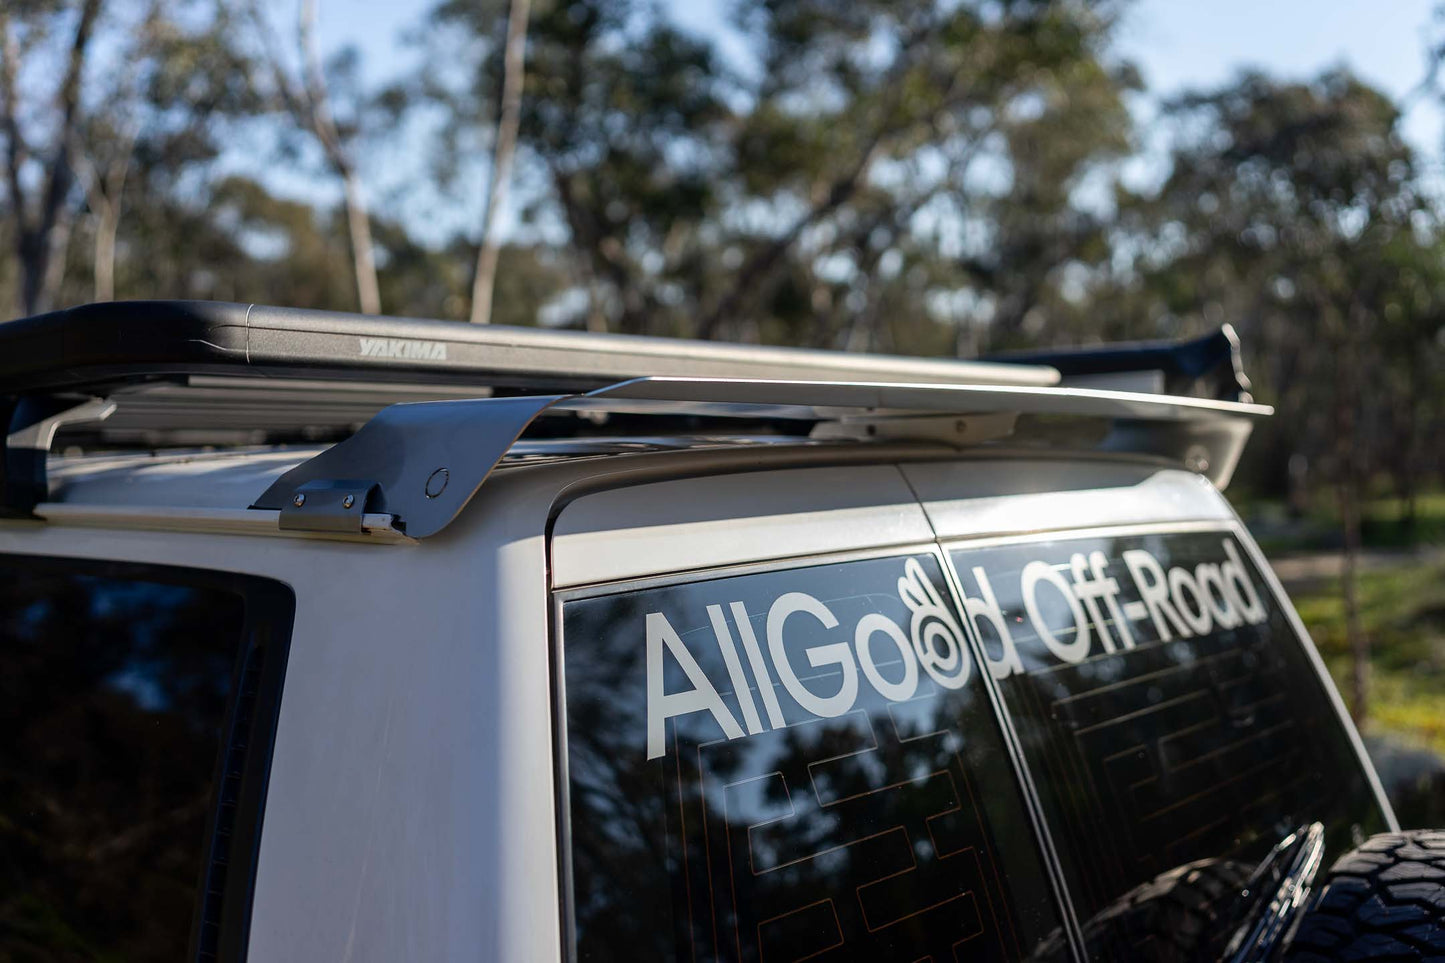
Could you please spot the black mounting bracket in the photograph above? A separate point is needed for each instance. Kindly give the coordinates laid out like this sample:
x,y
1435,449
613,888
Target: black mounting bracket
x,y
30,425
420,462
328,506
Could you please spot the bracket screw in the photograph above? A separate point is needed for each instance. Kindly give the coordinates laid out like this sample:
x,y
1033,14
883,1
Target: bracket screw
x,y
348,501
299,500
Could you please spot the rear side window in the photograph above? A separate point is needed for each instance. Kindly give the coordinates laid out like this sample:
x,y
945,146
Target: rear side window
x,y
1172,723
136,708
791,764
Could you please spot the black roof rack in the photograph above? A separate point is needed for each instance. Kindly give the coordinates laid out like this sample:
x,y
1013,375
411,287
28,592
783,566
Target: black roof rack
x,y
126,342
1206,367
226,371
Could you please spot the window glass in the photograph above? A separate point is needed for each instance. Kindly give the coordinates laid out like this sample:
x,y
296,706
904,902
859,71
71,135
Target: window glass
x,y
795,764
121,687
1172,723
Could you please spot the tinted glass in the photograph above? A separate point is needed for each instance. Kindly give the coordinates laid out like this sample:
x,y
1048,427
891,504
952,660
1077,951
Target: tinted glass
x,y
1174,726
118,693
794,764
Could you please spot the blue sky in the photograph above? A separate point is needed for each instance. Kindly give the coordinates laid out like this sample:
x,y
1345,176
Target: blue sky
x,y
1188,43
1175,43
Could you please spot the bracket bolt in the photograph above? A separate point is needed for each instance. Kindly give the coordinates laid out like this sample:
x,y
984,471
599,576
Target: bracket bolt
x,y
348,501
299,500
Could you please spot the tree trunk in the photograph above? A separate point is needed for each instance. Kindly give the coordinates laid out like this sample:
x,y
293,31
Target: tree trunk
x,y
32,268
1410,460
42,263
1350,482
57,245
107,223
1406,491
317,105
596,318
42,227
358,224
513,76
1349,591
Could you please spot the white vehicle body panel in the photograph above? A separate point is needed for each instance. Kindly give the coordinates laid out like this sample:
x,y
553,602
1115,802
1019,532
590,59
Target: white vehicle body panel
x,y
727,519
407,815
411,809
966,499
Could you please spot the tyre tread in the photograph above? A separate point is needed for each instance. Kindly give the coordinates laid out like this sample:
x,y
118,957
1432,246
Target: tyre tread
x,y
1383,901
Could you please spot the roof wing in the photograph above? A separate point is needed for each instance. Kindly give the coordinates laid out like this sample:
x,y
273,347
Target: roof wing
x,y
423,462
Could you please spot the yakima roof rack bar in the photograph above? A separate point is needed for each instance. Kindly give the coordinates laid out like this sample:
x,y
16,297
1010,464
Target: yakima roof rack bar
x,y
130,341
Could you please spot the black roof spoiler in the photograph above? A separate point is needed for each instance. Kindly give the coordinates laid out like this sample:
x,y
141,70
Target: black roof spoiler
x,y
1206,367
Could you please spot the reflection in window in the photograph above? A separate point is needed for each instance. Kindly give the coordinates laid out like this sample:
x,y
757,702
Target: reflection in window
x,y
1173,725
116,694
793,764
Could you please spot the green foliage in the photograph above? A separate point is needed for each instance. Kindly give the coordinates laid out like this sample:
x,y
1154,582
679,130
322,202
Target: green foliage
x,y
1388,523
1296,211
1403,610
922,177
799,198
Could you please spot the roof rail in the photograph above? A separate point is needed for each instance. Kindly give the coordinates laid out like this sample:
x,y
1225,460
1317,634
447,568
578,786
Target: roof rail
x,y
202,365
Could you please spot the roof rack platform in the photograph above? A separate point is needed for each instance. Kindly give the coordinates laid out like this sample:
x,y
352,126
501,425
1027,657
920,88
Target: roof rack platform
x,y
427,409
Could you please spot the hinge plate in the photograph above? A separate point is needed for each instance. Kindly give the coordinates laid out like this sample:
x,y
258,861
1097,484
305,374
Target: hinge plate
x,y
325,505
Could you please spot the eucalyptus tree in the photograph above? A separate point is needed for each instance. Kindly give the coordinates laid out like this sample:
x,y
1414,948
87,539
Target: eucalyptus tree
x,y
833,185
146,92
1296,211
301,88
44,49
916,144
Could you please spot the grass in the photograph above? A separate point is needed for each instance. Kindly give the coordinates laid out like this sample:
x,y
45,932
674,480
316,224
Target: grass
x,y
1402,610
1382,527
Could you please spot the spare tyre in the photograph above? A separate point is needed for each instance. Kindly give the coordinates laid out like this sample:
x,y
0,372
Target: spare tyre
x,y
1383,901
1176,917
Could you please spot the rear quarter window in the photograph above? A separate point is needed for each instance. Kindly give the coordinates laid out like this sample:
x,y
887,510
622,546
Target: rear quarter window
x,y
1167,711
792,764
136,710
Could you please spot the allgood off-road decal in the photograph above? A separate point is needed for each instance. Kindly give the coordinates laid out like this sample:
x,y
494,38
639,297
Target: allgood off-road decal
x,y
1087,605
807,762
792,764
